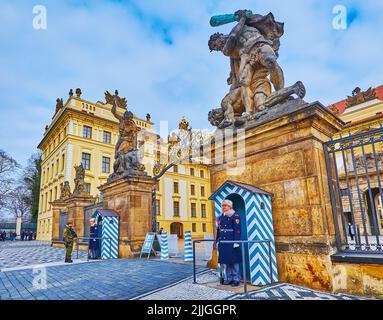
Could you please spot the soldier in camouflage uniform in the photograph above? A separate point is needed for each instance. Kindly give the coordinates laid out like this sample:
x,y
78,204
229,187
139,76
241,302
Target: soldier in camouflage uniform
x,y
69,236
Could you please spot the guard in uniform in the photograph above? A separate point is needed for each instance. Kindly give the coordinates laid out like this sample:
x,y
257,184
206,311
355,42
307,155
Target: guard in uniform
x,y
93,241
229,254
69,235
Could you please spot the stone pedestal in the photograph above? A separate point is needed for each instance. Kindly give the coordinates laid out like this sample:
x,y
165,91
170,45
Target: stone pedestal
x,y
284,155
74,206
131,198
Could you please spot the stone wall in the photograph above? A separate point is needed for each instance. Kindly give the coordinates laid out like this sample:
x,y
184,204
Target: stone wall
x,y
359,279
285,156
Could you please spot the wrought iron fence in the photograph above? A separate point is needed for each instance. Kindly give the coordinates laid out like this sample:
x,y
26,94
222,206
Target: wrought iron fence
x,y
355,172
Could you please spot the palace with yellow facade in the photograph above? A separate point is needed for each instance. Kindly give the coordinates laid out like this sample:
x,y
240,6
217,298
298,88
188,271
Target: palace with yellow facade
x,y
85,132
362,112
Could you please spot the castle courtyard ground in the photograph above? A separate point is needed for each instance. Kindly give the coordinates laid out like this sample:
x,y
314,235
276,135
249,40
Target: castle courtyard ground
x,y
24,264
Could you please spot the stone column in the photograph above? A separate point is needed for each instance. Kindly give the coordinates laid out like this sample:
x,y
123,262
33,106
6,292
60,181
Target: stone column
x,y
18,227
131,198
284,155
57,207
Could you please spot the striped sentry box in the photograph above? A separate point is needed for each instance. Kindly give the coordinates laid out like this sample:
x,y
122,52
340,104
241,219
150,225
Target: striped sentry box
x,y
110,225
188,254
164,246
259,226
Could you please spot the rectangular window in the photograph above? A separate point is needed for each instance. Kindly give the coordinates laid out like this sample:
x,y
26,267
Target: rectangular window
x,y
106,137
176,208
158,207
50,199
85,160
175,169
105,165
193,210
192,189
202,174
62,162
87,132
57,167
203,227
202,191
175,187
194,227
203,210
192,171
87,187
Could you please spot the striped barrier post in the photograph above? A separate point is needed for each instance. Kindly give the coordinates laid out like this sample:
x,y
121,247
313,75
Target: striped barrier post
x,y
188,254
164,246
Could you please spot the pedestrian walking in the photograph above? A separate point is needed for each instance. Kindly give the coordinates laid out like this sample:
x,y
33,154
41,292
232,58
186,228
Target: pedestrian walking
x,y
93,241
229,229
351,231
69,237
30,236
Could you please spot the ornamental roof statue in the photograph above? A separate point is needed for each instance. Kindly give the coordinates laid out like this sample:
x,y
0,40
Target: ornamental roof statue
x,y
183,125
78,93
359,96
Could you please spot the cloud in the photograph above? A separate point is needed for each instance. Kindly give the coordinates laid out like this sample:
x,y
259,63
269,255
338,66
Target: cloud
x,y
155,53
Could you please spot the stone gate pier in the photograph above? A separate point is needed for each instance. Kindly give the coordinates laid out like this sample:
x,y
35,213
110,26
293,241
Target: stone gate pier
x,y
131,198
282,153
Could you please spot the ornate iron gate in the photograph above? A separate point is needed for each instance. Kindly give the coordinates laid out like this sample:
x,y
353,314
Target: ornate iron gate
x,y
355,174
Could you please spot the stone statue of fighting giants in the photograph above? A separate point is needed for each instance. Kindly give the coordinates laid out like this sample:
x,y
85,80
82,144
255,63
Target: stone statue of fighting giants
x,y
252,47
126,159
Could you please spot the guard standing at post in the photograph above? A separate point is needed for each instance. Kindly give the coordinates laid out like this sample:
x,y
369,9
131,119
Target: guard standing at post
x,y
93,241
229,254
69,236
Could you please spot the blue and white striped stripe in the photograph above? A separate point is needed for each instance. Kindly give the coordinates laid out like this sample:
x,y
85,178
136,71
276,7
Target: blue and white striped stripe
x,y
259,224
164,246
109,241
188,254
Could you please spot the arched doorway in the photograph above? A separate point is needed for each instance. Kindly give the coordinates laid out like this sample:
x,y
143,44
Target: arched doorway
x,y
374,214
239,206
178,229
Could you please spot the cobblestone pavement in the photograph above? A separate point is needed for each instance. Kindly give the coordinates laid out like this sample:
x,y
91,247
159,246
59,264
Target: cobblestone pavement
x,y
120,279
101,280
24,253
286,291
186,290
204,291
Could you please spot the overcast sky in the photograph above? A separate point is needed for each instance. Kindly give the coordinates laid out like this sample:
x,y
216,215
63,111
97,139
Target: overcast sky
x,y
155,53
